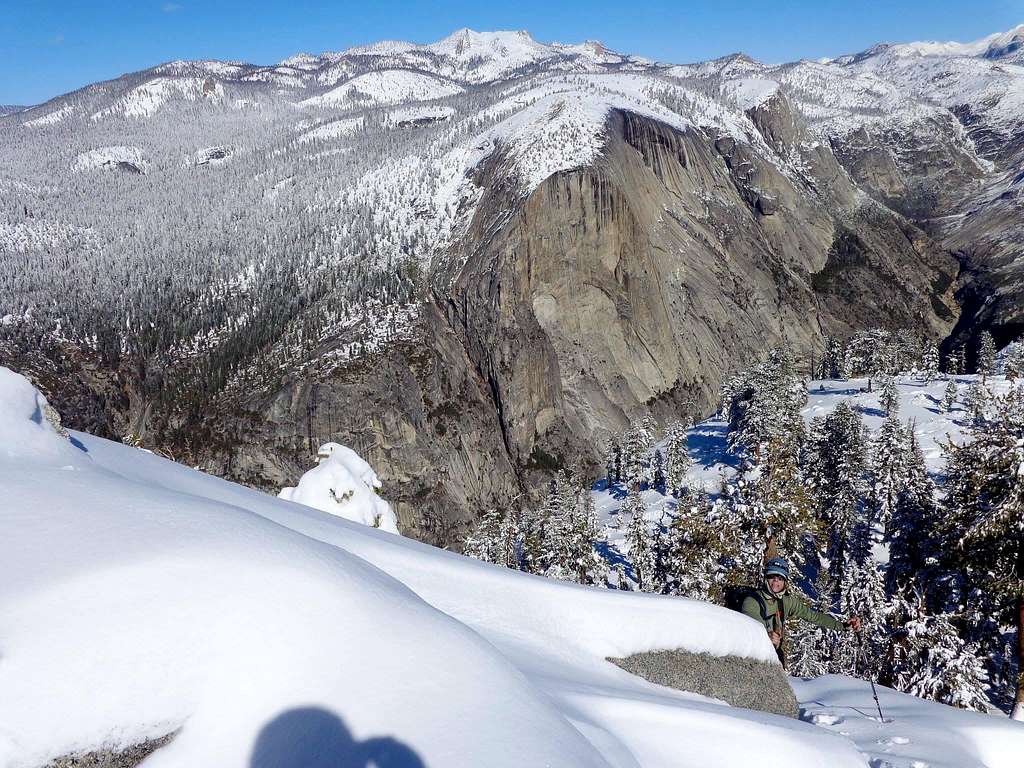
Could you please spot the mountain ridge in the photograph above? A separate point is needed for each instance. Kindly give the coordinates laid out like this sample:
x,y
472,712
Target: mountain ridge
x,y
293,258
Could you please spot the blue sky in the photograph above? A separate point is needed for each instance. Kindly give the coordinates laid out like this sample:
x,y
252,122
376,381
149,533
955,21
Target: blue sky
x,y
49,47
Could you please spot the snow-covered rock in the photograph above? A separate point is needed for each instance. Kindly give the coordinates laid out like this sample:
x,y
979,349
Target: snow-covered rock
x,y
343,484
117,158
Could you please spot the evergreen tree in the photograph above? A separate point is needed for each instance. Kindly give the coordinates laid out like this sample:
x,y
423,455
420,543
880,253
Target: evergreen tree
x,y
976,401
677,458
639,542
637,447
986,355
912,529
985,502
930,361
862,593
613,460
888,469
658,469
949,396
781,512
697,550
763,403
1013,364
956,361
836,469
936,664
496,539
832,359
889,396
566,542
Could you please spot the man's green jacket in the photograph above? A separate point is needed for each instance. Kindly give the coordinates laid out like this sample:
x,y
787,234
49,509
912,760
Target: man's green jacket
x,y
792,607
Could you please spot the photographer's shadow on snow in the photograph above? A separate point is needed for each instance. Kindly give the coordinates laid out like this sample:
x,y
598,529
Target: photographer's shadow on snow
x,y
311,737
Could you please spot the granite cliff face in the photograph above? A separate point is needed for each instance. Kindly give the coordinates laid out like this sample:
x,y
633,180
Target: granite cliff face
x,y
637,284
502,269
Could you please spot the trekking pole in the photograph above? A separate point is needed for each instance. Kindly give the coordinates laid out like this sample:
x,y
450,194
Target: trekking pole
x,y
856,663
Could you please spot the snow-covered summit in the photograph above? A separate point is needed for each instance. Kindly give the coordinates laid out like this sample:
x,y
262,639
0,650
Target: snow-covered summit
x,y
995,46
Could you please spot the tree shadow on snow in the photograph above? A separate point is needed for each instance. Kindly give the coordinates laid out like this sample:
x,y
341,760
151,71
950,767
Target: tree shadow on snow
x,y
311,737
707,446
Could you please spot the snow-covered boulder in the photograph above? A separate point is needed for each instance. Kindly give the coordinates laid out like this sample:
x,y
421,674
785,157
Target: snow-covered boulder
x,y
343,484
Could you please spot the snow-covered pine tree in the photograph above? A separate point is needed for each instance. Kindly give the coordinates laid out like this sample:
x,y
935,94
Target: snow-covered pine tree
x,y
639,541
977,400
763,402
482,542
496,539
985,502
949,395
658,469
888,469
808,646
1013,362
781,513
613,460
836,461
889,395
936,664
912,530
986,355
907,352
637,445
832,359
677,458
584,561
698,548
736,505
862,593
930,361
568,536
956,361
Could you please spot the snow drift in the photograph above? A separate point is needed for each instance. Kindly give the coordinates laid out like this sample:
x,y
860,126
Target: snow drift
x,y
139,598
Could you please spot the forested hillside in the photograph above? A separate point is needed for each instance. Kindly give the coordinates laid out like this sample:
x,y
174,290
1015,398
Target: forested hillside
x,y
474,260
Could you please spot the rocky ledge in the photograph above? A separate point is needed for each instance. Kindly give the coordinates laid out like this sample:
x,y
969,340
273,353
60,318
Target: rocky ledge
x,y
740,682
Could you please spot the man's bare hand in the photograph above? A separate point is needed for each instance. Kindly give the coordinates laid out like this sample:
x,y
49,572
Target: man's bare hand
x,y
776,638
853,623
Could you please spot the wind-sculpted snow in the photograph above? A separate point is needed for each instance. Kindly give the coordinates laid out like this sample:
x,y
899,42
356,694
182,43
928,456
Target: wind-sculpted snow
x,y
157,599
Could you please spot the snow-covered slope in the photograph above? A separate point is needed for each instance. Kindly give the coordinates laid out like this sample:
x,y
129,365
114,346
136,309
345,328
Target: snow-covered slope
x,y
139,597
387,87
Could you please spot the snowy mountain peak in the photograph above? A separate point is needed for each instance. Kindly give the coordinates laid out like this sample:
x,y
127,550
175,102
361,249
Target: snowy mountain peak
x,y
1006,44
995,46
467,43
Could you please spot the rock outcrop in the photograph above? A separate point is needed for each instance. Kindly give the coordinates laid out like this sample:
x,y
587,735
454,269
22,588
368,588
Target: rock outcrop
x,y
740,682
112,757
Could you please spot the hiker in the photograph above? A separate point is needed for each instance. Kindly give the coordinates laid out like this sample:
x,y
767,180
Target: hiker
x,y
772,604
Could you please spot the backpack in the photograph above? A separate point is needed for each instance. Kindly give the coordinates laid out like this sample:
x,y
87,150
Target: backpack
x,y
735,595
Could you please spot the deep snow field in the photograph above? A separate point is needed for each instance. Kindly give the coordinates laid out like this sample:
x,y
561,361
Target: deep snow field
x,y
139,597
